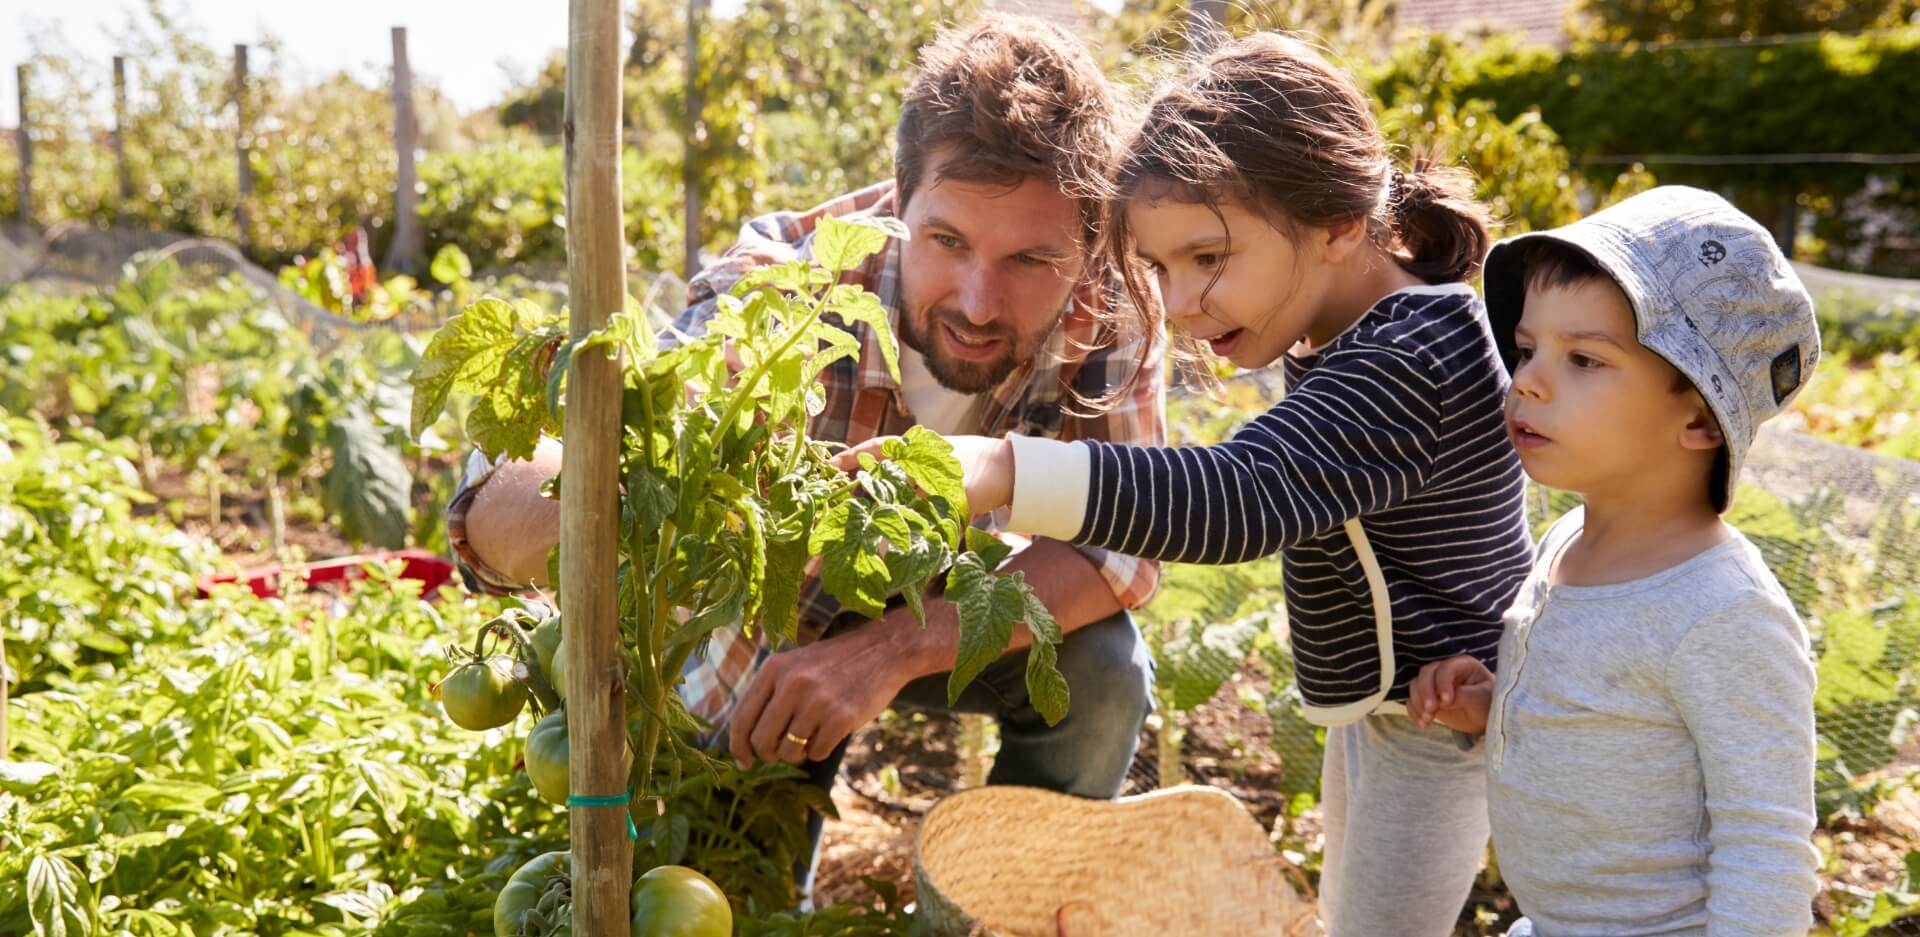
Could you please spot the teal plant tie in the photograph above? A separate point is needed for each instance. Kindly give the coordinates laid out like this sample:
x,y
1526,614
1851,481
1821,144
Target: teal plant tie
x,y
610,800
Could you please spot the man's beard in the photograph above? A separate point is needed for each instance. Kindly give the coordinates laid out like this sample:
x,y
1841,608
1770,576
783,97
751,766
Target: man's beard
x,y
965,377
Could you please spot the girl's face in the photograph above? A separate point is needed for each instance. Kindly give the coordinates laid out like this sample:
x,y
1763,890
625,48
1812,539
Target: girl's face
x,y
1243,286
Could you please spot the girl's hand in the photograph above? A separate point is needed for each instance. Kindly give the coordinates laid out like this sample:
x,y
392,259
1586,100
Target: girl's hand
x,y
1455,692
986,463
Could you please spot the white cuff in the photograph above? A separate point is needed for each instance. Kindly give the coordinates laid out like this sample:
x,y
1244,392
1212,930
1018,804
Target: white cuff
x,y
1050,482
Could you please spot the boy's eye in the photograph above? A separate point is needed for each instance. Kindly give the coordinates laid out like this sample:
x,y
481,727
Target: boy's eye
x,y
1028,260
1584,362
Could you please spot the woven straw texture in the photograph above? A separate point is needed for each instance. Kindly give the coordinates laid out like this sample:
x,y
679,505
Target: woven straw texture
x,y
1024,862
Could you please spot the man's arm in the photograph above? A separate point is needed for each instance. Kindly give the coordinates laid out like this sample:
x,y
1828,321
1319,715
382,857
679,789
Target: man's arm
x,y
823,691
503,527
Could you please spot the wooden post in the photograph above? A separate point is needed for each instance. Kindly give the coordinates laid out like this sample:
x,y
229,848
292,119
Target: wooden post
x,y
240,143
120,136
589,497
1206,23
25,208
406,253
689,161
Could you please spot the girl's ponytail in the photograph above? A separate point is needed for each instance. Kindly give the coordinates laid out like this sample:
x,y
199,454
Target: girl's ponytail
x,y
1441,230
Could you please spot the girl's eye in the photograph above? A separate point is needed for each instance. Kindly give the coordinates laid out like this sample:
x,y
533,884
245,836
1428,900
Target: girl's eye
x,y
1206,260
1523,353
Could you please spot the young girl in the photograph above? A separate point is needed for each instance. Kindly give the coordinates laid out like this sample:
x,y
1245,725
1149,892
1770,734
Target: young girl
x,y
1257,206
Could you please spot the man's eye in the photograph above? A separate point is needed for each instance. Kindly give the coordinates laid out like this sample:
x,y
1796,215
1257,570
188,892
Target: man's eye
x,y
946,240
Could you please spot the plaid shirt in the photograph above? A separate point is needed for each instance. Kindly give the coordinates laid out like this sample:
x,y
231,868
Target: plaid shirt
x,y
864,401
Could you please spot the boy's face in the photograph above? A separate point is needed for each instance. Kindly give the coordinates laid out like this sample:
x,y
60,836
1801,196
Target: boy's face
x,y
1592,410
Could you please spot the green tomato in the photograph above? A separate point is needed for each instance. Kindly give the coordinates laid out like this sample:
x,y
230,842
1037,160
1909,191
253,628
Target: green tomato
x,y
675,901
557,671
546,641
546,757
528,890
547,754
482,694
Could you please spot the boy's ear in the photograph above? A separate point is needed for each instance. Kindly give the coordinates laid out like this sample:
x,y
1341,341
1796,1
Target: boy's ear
x,y
1702,431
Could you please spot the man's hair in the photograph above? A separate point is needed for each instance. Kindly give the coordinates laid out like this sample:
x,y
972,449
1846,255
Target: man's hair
x,y
1013,98
1547,263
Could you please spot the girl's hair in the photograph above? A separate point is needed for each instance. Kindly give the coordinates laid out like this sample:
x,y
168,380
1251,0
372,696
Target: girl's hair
x,y
1267,121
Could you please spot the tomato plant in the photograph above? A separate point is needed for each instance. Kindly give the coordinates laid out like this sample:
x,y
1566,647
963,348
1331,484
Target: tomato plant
x,y
721,512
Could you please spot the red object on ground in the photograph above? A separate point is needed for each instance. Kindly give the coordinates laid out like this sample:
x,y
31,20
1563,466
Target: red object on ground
x,y
431,569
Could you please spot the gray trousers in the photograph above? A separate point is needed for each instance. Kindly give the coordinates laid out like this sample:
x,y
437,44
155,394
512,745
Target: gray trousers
x,y
1406,826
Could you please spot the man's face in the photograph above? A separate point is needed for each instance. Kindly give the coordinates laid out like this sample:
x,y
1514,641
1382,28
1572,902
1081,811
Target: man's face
x,y
1592,410
986,275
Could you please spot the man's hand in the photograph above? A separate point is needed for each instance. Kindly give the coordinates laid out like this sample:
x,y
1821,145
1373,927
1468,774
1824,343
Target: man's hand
x,y
1455,692
986,461
804,701
510,525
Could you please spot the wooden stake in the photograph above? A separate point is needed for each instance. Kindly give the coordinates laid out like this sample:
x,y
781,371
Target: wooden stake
x,y
406,254
120,136
689,160
25,206
589,491
240,143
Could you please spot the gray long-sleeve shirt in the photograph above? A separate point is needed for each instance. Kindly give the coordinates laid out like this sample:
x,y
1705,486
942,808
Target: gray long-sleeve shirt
x,y
1650,751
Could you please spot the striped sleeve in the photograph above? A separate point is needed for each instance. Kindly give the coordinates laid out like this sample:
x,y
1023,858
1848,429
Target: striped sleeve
x,y
1138,418
1356,436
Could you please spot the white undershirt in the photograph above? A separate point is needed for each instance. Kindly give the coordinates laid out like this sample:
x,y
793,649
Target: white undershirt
x,y
947,412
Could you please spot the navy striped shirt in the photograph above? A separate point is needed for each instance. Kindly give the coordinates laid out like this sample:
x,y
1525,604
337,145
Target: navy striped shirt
x,y
1399,423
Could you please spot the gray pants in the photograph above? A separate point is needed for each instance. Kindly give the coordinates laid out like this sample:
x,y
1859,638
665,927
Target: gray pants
x,y
1406,824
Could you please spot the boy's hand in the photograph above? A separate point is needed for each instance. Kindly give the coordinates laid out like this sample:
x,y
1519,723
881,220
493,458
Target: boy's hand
x,y
1455,692
986,462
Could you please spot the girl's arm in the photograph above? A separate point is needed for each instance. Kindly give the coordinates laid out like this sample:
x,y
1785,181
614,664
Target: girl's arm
x,y
1360,434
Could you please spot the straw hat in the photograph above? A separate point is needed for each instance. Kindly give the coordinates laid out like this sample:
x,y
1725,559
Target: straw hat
x,y
1025,862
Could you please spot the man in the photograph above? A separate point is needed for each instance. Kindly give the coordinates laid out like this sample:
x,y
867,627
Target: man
x,y
1006,327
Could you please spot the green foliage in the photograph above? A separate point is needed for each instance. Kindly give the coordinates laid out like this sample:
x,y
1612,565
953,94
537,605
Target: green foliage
x,y
285,771
1866,402
506,204
85,581
1667,20
1833,93
738,827
719,511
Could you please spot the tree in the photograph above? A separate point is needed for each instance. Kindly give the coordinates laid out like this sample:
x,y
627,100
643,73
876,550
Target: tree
x,y
1669,20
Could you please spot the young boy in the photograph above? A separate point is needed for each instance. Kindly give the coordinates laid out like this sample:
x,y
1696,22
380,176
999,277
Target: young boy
x,y
1650,733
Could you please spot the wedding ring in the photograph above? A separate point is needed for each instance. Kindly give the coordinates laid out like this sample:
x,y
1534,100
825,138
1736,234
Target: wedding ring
x,y
797,740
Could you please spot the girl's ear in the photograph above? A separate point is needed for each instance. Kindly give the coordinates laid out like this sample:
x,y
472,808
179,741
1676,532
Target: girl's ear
x,y
1342,239
1702,430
